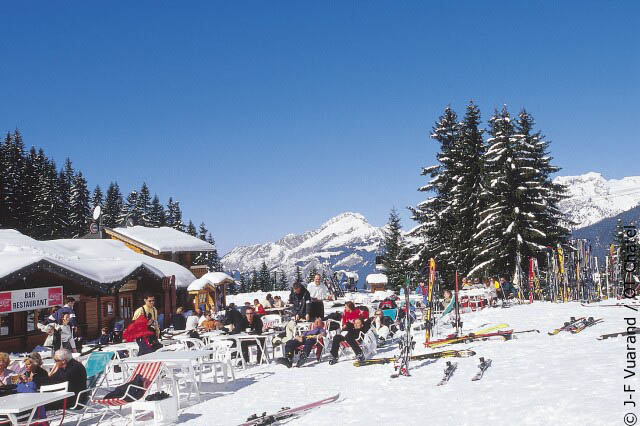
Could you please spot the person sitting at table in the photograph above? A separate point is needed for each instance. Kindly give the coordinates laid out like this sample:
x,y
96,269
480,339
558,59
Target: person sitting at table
x,y
252,324
268,301
379,326
67,369
233,319
258,307
178,321
35,373
350,314
202,317
5,373
192,321
278,302
208,324
308,338
105,337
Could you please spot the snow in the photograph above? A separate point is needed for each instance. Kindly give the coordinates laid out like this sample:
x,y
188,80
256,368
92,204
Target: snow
x,y
164,239
103,261
377,279
593,198
211,279
536,379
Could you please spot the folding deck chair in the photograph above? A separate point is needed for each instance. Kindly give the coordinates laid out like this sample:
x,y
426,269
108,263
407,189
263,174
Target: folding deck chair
x,y
149,371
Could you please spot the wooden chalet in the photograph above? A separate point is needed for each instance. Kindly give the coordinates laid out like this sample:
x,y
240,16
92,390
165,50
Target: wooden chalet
x,y
209,292
107,280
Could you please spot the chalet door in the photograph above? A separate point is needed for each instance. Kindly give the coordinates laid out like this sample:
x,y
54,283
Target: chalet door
x,y
126,306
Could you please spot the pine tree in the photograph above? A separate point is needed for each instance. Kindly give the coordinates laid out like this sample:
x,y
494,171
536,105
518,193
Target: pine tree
x,y
282,284
4,206
254,284
144,206
264,278
244,285
312,273
112,206
12,192
50,221
97,198
157,216
395,255
29,184
191,229
80,212
132,210
298,276
437,216
67,175
177,219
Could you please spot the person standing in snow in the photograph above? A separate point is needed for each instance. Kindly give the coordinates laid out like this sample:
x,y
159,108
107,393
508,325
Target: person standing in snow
x,y
318,292
149,311
299,299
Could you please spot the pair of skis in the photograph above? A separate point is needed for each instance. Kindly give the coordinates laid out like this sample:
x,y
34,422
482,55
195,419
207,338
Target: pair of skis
x,y
286,413
452,366
629,332
576,325
433,355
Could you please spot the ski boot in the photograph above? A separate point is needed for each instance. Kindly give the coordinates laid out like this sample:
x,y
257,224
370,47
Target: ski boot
x,y
360,357
333,360
301,360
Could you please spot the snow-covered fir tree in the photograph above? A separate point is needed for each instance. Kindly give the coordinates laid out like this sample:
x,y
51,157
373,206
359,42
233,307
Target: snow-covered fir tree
x,y
174,215
144,205
50,220
112,206
131,210
244,284
264,278
12,208
297,278
394,255
29,184
157,216
282,283
67,174
312,273
191,229
254,284
97,197
438,216
80,210
519,197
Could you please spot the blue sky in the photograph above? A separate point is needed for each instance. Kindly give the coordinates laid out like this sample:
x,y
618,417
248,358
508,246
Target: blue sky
x,y
265,118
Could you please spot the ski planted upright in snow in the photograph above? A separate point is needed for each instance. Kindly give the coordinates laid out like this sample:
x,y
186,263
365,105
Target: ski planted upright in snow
x,y
401,363
285,413
484,364
448,372
432,276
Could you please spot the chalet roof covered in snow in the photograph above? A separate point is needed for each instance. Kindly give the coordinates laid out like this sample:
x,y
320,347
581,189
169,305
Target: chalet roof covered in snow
x,y
159,240
377,279
104,263
210,279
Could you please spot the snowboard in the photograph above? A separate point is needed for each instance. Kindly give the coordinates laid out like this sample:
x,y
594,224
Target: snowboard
x,y
285,413
433,355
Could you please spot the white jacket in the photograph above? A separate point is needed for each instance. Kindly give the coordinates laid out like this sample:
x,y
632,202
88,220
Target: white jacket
x,y
320,292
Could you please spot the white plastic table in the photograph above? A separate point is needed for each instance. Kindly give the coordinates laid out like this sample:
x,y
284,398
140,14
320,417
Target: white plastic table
x,y
260,339
11,405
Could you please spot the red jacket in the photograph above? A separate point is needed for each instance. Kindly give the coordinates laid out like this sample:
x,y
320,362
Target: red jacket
x,y
351,316
260,309
138,328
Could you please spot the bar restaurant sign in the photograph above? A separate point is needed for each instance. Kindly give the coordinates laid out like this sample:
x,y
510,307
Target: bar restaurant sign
x,y
30,299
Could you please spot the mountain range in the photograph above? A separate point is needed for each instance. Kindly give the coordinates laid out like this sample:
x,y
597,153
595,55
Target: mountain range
x,y
348,242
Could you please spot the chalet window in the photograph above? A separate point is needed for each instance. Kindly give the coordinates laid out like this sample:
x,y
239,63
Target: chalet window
x,y
6,324
126,303
108,309
35,317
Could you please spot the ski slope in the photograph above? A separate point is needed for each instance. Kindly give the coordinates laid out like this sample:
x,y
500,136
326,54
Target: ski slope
x,y
535,379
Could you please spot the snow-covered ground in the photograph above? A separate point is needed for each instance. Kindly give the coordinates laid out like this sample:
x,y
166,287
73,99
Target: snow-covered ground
x,y
535,379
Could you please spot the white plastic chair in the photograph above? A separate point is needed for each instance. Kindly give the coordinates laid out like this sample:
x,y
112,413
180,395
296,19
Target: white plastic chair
x,y
218,360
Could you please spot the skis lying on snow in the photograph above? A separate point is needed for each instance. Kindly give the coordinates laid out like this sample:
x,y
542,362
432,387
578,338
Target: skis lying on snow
x,y
433,355
505,334
621,333
584,324
484,364
285,413
456,339
615,305
448,372
567,325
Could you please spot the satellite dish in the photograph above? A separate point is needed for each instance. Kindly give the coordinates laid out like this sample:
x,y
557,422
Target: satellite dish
x,y
96,212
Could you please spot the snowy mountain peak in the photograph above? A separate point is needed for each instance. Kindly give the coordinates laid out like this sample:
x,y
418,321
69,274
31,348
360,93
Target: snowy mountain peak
x,y
593,197
346,241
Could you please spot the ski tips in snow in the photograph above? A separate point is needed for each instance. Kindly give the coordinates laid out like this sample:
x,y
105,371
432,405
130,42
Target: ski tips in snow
x,y
484,365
